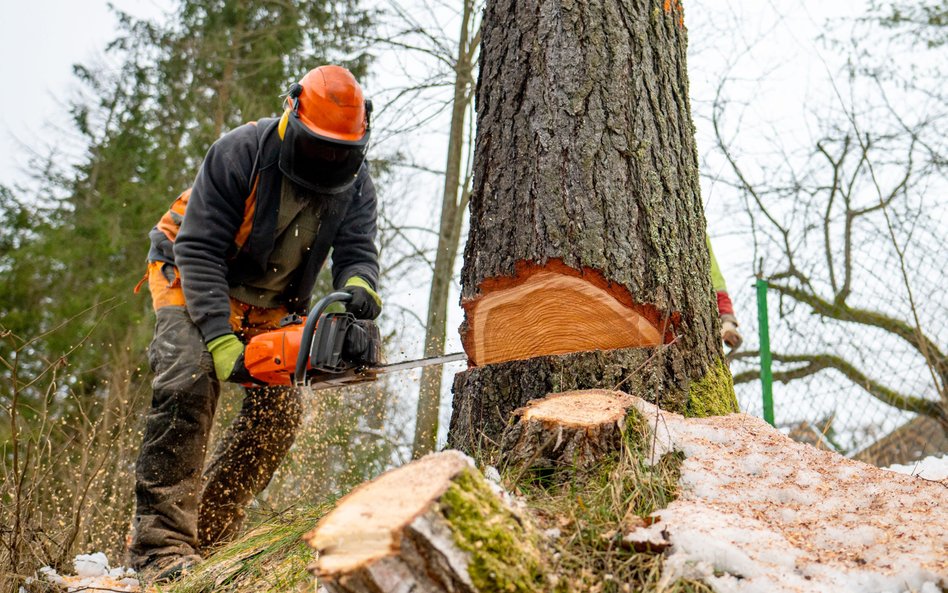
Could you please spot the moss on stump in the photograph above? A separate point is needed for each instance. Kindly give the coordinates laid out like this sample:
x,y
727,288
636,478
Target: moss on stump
x,y
433,525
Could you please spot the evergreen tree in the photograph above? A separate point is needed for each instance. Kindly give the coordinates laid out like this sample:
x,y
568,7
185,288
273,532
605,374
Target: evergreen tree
x,y
71,327
180,86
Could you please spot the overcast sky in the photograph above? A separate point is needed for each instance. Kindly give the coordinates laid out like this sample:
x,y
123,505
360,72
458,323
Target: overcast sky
x,y
40,40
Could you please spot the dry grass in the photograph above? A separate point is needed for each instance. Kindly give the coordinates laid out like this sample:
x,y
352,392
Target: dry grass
x,y
66,471
269,557
592,511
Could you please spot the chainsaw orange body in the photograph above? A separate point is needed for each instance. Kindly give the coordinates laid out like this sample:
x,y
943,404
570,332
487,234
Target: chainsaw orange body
x,y
271,357
325,350
318,351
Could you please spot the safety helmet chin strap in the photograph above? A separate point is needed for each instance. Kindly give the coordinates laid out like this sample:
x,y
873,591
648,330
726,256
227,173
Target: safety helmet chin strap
x,y
281,129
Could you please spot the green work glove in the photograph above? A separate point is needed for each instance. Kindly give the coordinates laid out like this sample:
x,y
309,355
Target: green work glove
x,y
365,303
226,351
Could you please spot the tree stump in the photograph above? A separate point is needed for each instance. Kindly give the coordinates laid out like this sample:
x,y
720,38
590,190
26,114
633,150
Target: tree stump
x,y
575,430
486,397
432,526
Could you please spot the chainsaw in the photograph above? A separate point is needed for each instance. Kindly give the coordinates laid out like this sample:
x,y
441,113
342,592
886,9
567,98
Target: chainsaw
x,y
325,350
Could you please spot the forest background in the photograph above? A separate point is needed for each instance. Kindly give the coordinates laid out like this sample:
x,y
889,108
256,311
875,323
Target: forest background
x,y
800,108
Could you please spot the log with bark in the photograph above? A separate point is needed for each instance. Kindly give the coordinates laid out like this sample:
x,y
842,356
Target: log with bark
x,y
431,526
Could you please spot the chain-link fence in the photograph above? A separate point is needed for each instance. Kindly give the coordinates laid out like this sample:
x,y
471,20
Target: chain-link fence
x,y
862,381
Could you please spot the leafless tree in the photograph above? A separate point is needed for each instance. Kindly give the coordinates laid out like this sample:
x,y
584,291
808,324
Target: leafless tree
x,y
848,233
443,91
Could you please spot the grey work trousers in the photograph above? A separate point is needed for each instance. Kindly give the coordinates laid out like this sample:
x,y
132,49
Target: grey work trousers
x,y
182,506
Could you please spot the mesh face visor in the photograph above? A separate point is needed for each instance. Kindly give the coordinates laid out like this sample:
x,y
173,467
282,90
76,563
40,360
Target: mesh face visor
x,y
319,163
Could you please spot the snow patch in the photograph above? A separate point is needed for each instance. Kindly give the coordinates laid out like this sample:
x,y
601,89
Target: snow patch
x,y
91,565
93,572
930,468
759,512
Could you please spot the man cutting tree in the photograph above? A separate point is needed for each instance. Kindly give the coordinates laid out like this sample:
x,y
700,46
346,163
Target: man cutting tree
x,y
234,255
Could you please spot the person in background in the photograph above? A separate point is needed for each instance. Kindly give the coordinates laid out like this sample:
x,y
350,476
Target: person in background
x,y
729,332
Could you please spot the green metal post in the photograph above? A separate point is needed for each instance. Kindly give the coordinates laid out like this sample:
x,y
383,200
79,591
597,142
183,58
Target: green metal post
x,y
766,375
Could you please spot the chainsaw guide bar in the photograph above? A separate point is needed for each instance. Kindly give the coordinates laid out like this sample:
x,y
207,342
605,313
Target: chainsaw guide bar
x,y
325,350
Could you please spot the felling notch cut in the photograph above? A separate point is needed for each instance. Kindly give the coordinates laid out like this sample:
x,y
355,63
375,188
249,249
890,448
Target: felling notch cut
x,y
555,309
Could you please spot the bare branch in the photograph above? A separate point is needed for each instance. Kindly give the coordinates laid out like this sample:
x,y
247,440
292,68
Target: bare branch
x,y
836,165
836,310
934,358
814,363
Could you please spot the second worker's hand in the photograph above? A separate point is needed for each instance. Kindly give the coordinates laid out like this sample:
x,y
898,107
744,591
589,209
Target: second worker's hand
x,y
729,332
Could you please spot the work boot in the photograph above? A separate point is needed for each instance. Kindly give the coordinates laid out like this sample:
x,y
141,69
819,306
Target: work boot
x,y
164,569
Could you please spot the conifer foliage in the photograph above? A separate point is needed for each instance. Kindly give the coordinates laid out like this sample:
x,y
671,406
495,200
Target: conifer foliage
x,y
73,371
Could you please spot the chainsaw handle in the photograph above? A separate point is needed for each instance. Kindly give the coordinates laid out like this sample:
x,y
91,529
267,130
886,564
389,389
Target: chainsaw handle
x,y
306,341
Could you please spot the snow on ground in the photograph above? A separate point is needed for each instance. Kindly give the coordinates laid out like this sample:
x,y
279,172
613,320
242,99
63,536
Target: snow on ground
x,y
759,512
93,573
930,468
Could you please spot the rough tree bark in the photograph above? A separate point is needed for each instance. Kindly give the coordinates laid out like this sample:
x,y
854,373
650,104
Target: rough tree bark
x,y
585,161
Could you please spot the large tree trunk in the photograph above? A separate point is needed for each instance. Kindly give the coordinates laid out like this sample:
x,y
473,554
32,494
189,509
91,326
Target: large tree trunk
x,y
585,166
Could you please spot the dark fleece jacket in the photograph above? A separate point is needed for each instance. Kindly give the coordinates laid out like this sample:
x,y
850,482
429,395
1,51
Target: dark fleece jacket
x,y
205,251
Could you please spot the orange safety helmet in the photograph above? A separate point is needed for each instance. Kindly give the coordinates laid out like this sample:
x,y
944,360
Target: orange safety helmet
x,y
325,130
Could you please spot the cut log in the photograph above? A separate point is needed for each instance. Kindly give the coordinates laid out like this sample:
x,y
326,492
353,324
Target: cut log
x,y
433,525
554,310
575,430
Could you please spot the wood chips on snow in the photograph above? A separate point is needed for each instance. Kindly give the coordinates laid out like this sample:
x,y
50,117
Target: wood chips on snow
x,y
760,512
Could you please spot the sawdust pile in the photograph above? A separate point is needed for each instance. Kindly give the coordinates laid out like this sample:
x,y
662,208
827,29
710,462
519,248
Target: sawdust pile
x,y
760,512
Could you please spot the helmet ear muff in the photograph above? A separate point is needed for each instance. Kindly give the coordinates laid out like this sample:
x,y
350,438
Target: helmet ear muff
x,y
284,120
293,95
292,104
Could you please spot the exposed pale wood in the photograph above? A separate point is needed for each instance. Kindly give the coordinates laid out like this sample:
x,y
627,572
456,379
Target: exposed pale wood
x,y
587,408
409,531
571,430
367,524
551,313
